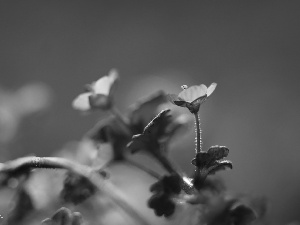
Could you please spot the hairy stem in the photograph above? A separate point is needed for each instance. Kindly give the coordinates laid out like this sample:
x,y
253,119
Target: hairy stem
x,y
198,133
23,164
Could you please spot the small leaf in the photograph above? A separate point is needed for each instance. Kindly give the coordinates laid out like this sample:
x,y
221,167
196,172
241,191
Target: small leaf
x,y
220,165
211,89
218,152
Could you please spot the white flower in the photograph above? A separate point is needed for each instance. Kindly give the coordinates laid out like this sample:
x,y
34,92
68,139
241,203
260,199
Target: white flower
x,y
99,95
193,96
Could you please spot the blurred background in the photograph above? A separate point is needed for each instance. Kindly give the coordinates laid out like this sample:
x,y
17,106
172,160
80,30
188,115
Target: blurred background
x,y
50,49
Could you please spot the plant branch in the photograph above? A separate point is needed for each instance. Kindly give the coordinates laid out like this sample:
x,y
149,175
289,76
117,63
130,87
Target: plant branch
x,y
23,164
144,168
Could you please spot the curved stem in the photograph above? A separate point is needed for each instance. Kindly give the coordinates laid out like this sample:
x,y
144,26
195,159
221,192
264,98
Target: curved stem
x,y
165,162
23,164
143,168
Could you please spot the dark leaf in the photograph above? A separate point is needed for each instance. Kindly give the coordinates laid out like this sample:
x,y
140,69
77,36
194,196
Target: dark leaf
x,y
144,110
162,205
77,188
220,165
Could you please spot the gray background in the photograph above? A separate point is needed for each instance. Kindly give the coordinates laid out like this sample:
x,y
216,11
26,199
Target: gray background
x,y
250,48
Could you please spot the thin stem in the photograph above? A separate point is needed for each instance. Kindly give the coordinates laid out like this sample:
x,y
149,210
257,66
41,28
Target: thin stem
x,y
198,133
22,164
123,121
143,168
165,162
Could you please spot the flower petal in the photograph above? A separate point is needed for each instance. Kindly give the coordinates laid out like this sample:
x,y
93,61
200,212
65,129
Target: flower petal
x,y
104,84
193,93
211,89
82,102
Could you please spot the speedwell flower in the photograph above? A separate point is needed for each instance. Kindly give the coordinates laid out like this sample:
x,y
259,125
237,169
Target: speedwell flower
x,y
210,162
99,93
192,97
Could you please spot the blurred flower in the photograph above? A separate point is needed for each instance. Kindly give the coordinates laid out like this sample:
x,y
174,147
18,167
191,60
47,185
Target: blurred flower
x,y
110,130
161,201
64,216
210,162
30,98
192,97
99,93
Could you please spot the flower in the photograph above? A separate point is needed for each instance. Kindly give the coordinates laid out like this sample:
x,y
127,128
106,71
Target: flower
x,y
99,93
192,97
210,162
164,190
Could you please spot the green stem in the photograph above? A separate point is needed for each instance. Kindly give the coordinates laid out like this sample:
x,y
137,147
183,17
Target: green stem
x,y
23,164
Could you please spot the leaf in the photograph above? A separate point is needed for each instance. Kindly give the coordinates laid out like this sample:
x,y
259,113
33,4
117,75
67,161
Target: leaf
x,y
220,165
144,110
218,152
